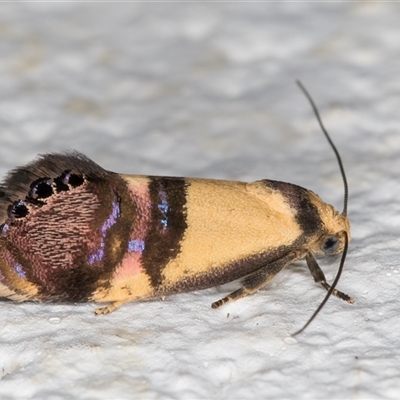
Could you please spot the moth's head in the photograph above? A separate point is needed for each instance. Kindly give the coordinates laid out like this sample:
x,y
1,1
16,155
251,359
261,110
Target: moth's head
x,y
336,230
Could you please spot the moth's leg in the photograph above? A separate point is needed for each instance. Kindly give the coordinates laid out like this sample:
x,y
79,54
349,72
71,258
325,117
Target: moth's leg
x,y
258,278
109,309
319,277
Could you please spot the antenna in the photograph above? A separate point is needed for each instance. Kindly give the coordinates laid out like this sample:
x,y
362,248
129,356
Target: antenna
x,y
344,212
314,107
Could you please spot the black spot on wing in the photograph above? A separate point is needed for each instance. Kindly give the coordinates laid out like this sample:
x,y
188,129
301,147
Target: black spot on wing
x,y
18,182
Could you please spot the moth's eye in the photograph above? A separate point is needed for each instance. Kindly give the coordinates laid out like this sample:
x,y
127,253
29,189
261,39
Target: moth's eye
x,y
41,189
330,245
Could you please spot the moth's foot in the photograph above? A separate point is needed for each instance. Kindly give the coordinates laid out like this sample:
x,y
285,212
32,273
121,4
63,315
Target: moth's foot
x,y
338,293
109,309
219,303
238,294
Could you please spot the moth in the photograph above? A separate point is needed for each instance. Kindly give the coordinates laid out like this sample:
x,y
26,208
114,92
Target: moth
x,y
72,231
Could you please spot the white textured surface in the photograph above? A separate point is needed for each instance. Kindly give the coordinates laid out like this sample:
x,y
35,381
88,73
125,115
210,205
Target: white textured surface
x,y
208,90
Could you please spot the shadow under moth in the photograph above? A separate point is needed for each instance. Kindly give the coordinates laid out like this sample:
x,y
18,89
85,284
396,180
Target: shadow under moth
x,y
71,231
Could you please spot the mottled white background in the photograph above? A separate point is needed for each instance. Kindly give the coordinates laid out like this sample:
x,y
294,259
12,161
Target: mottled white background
x,y
207,89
